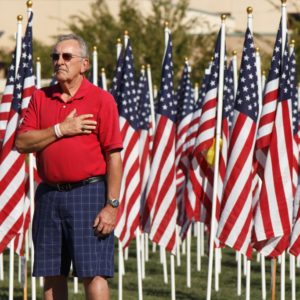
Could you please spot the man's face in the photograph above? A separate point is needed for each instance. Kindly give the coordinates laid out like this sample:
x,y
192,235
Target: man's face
x,y
68,70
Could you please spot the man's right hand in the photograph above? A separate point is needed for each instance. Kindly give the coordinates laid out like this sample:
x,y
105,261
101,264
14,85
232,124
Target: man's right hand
x,y
74,125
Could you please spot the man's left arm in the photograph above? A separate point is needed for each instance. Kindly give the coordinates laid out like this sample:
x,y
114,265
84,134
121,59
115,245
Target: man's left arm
x,y
105,221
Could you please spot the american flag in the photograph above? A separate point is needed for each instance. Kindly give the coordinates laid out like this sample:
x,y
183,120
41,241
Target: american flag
x,y
129,211
185,107
14,203
295,237
227,115
190,194
160,213
272,222
145,132
198,190
235,223
270,98
7,97
295,116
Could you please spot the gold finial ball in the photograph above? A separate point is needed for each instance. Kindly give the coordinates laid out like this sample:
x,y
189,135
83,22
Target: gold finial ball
x,y
20,18
196,85
283,1
234,52
155,86
119,41
38,59
293,42
223,17
29,3
102,70
249,10
257,49
95,48
186,59
264,72
166,24
126,32
212,58
143,67
148,66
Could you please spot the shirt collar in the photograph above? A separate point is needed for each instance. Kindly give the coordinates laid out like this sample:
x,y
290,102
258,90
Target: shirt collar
x,y
79,95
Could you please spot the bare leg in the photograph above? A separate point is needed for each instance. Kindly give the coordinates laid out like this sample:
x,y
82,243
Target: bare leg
x,y
55,288
96,288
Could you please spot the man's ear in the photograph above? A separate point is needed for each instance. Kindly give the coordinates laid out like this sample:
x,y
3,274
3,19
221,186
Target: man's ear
x,y
85,65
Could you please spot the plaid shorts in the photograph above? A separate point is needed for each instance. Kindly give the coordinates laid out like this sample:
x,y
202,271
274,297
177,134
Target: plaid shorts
x,y
63,232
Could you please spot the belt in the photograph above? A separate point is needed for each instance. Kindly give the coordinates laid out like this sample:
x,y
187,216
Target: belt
x,y
62,187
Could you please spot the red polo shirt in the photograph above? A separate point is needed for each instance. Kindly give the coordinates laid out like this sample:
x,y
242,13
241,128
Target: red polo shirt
x,y
75,158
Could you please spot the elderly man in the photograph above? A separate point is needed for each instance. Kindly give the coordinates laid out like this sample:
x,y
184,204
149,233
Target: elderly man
x,y
74,129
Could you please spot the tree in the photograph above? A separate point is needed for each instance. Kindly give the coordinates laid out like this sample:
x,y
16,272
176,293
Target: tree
x,y
101,29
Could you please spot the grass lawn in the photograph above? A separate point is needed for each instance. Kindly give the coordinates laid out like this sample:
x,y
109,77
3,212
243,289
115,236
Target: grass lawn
x,y
154,287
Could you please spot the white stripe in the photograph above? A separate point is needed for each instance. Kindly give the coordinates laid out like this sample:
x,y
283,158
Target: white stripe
x,y
5,107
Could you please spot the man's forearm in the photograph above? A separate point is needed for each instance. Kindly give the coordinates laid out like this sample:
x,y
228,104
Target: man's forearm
x,y
114,174
35,140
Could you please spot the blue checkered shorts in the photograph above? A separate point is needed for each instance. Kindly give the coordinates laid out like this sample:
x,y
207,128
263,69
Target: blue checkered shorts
x,y
63,232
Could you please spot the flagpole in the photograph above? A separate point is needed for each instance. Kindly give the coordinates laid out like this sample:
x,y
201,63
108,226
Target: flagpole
x,y
217,156
138,258
284,33
103,79
121,267
274,265
235,72
95,66
259,81
119,48
11,244
149,77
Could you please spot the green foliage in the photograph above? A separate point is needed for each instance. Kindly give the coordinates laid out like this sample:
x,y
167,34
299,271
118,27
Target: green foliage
x,y
146,33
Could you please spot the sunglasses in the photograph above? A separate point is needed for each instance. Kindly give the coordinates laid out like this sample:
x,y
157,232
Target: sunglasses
x,y
65,56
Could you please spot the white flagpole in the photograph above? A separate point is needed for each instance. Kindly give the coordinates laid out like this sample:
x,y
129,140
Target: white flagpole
x,y
217,156
178,243
188,258
282,277
239,273
198,246
259,80
284,32
11,244
38,86
248,279
121,266
103,78
263,276
31,175
95,66
293,275
119,48
121,270
235,72
1,267
149,77
138,260
173,288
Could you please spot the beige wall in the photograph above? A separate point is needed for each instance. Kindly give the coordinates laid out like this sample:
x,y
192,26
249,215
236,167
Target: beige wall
x,y
50,15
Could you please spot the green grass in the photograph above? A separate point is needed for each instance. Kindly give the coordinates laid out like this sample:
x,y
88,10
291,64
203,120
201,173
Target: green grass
x,y
154,287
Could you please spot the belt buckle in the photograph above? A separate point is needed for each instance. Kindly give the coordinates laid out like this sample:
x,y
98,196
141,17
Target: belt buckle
x,y
62,187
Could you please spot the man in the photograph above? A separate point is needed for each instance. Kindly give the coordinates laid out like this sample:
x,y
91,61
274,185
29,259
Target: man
x,y
74,129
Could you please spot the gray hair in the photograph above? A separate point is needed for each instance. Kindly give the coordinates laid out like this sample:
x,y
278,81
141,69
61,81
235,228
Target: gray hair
x,y
83,46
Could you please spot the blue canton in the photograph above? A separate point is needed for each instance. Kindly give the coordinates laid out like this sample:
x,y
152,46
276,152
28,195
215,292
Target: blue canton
x,y
166,105
247,93
127,97
25,67
144,101
228,97
185,95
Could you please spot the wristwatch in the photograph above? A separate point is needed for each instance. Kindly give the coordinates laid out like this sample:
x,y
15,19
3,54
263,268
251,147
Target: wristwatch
x,y
113,202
